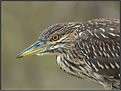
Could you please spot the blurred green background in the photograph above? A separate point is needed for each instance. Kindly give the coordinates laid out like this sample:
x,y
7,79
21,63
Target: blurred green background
x,y
22,22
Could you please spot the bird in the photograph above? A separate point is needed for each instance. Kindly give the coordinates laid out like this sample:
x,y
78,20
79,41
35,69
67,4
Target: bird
x,y
87,50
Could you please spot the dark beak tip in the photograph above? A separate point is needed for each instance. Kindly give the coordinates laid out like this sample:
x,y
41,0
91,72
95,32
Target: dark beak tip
x,y
19,56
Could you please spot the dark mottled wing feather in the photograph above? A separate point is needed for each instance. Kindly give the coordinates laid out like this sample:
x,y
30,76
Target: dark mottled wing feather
x,y
99,44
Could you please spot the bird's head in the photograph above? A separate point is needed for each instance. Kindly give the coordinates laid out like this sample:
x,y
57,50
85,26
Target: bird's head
x,y
53,39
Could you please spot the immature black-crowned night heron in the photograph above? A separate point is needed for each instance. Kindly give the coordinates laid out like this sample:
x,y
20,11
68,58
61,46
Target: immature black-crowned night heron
x,y
88,50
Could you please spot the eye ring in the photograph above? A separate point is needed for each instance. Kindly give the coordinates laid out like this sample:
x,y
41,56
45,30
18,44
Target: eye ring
x,y
55,37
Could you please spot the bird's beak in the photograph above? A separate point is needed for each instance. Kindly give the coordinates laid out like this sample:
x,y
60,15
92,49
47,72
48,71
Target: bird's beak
x,y
33,49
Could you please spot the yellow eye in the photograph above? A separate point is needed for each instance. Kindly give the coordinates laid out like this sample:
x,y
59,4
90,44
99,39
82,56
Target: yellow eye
x,y
55,37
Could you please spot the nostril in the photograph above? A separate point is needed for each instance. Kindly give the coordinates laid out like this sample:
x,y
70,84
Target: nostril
x,y
40,43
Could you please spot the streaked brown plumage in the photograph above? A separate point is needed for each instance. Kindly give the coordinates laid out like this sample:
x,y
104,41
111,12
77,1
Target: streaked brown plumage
x,y
88,50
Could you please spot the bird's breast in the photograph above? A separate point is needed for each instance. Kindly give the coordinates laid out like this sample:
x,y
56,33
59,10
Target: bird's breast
x,y
71,67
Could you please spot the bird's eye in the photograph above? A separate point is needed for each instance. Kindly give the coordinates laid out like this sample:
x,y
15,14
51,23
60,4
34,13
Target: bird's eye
x,y
55,37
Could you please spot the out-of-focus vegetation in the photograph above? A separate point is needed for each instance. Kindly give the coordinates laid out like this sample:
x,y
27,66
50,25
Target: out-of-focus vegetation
x,y
22,22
